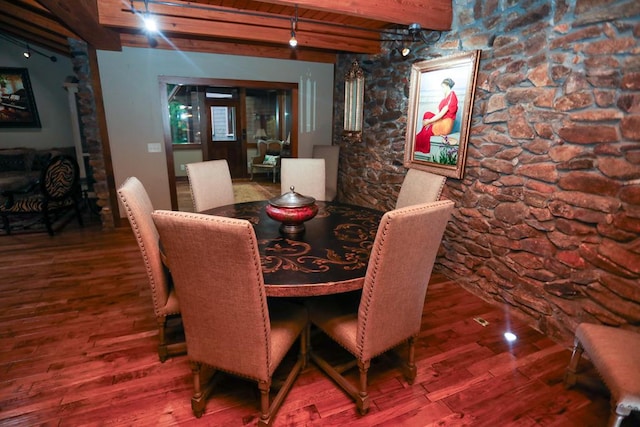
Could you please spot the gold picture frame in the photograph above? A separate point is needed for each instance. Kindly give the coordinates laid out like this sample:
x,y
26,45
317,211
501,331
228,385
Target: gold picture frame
x,y
439,115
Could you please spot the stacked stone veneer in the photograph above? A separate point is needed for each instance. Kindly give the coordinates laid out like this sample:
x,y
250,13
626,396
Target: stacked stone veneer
x,y
547,217
90,128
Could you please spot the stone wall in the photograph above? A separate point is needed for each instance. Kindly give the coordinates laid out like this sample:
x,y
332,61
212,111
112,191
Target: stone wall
x,y
90,128
547,216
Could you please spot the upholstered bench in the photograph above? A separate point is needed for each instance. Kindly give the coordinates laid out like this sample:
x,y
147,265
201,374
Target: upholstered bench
x,y
615,353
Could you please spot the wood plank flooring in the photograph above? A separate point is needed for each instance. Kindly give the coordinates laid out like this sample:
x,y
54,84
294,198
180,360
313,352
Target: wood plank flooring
x,y
78,347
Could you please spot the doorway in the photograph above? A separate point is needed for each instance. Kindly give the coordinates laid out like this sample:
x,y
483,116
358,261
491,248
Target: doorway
x,y
209,119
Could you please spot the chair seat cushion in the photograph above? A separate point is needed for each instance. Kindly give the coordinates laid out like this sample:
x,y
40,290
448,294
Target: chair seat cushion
x,y
337,316
34,204
264,166
615,353
287,321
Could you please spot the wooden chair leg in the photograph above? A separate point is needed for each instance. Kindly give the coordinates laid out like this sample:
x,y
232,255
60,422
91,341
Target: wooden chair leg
x,y
362,399
76,207
410,370
5,223
163,352
198,398
47,222
265,413
166,350
200,394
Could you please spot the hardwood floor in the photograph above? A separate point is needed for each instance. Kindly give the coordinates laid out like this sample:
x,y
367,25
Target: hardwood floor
x,y
78,347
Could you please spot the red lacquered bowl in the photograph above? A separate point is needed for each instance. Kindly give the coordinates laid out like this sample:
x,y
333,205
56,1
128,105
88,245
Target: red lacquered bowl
x,y
292,210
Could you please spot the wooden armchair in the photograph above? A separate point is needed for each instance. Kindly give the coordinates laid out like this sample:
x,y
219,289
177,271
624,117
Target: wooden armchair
x,y
389,311
268,159
228,323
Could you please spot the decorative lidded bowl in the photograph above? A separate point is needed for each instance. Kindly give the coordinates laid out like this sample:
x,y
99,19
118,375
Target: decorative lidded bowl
x,y
292,210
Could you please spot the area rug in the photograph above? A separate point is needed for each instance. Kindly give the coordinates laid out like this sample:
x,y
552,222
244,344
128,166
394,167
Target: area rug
x,y
250,192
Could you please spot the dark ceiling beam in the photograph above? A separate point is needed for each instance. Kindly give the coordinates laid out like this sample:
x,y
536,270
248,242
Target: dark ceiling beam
x,y
230,48
82,17
229,24
430,14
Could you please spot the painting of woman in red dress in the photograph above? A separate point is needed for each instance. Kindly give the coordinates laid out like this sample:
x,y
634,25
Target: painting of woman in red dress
x,y
440,123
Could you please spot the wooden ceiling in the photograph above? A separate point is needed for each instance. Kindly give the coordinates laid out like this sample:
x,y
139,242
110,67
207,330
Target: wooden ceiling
x,y
241,27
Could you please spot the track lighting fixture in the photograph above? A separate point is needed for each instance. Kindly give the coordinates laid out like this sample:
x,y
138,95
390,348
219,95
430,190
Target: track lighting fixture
x,y
28,50
416,34
293,42
150,24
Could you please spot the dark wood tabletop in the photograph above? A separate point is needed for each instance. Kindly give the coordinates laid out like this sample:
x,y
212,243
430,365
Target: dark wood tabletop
x,y
331,255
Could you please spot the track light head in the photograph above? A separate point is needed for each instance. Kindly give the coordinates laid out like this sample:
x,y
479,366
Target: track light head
x,y
417,33
27,53
292,41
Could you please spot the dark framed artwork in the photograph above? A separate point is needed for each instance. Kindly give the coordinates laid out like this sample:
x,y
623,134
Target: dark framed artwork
x,y
17,104
440,104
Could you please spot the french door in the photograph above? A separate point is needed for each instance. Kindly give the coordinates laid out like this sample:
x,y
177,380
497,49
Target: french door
x,y
224,136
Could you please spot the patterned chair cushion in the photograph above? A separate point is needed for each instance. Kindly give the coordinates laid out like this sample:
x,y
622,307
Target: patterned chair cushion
x,y
34,204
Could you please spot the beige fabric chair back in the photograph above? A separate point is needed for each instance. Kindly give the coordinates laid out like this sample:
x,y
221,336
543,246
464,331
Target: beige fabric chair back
x,y
400,265
331,156
210,184
138,207
216,270
306,175
420,187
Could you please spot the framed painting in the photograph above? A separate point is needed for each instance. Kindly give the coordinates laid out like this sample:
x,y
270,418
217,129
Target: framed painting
x,y
440,104
17,104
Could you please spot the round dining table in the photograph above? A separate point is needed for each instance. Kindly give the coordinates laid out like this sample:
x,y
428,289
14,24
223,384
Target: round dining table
x,y
330,256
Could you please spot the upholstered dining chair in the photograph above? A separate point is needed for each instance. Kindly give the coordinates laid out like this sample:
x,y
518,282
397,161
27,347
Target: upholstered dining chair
x,y
268,158
331,156
306,175
210,184
389,310
615,353
138,207
229,325
420,187
58,190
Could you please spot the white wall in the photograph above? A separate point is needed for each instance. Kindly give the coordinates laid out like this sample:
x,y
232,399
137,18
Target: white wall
x,y
47,80
131,97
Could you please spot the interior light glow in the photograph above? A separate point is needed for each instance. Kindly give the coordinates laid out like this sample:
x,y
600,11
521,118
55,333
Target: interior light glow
x,y
510,336
150,23
292,41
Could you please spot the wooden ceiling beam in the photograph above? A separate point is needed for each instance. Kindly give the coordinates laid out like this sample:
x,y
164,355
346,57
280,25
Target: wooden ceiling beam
x,y
192,22
430,14
82,17
35,35
10,8
228,48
